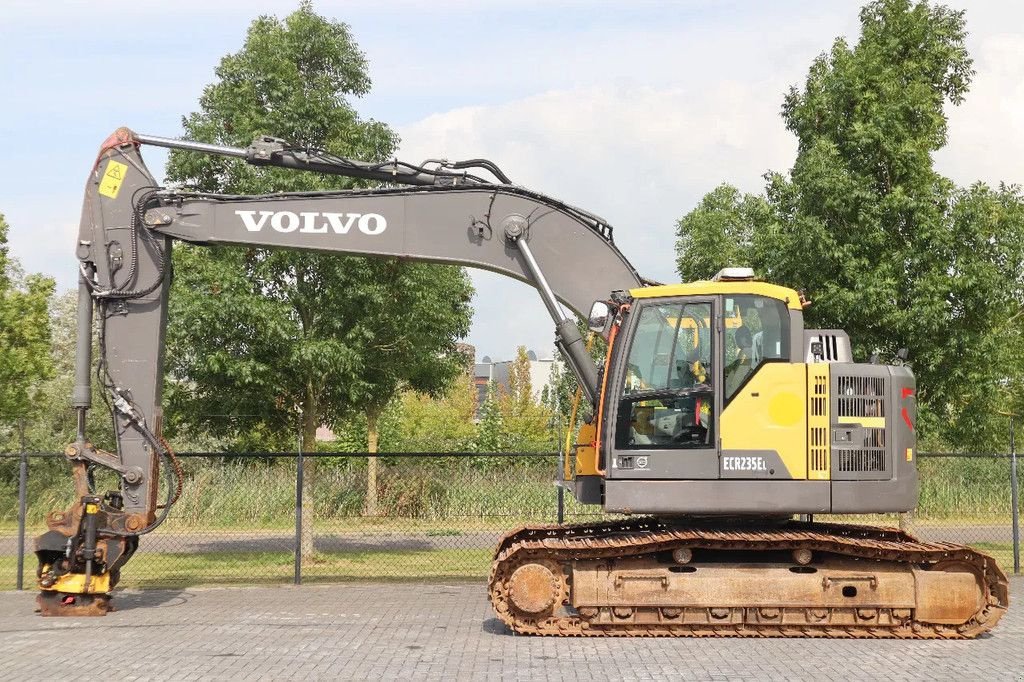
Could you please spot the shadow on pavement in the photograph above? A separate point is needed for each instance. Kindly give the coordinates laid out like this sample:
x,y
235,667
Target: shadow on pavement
x,y
493,626
149,599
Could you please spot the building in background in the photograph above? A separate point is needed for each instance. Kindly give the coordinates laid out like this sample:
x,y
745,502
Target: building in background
x,y
487,370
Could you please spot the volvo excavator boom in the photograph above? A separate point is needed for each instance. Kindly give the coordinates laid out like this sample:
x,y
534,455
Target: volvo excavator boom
x,y
435,212
715,412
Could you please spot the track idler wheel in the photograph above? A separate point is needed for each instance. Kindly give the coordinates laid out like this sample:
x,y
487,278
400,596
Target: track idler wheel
x,y
73,605
537,589
533,589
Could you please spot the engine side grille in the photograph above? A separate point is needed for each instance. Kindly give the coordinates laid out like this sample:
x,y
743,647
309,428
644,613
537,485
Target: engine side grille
x,y
859,447
861,397
871,457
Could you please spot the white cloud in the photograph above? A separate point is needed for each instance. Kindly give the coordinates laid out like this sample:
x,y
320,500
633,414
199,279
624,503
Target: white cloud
x,y
642,150
641,157
986,132
632,114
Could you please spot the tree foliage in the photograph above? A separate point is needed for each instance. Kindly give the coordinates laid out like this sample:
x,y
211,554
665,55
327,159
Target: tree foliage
x,y
24,334
261,334
884,246
526,421
51,423
491,435
720,232
439,423
265,342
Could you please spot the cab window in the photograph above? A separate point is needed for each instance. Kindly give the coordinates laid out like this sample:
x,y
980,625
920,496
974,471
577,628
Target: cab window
x,y
756,332
667,394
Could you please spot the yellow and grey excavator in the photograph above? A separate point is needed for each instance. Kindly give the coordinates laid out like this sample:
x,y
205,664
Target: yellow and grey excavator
x,y
715,419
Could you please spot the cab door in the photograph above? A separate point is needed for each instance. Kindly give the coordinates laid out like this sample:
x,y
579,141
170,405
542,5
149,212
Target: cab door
x,y
662,400
763,427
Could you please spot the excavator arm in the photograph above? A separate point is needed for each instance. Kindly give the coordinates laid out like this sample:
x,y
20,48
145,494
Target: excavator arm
x,y
436,212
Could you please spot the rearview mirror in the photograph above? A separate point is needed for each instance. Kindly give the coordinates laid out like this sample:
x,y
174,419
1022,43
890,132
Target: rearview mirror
x,y
599,315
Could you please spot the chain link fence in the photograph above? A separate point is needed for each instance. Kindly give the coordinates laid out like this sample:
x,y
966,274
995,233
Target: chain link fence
x,y
251,518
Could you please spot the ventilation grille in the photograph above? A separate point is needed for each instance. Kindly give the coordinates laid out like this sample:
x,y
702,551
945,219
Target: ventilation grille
x,y
834,346
870,457
819,449
819,396
818,422
861,397
861,460
829,347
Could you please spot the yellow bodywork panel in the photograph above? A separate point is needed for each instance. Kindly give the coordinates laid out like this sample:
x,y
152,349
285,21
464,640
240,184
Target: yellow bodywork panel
x,y
818,415
788,296
866,422
74,583
586,453
770,413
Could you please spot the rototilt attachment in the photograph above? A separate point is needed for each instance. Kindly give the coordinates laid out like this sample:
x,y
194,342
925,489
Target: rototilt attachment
x,y
81,553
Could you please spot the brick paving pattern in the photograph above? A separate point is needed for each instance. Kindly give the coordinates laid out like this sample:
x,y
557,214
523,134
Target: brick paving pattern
x,y
434,632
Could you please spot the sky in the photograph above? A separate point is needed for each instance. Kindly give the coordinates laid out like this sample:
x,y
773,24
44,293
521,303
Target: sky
x,y
632,110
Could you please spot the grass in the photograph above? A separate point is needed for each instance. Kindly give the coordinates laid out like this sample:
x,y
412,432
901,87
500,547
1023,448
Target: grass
x,y
165,570
256,494
171,569
1002,552
964,487
9,567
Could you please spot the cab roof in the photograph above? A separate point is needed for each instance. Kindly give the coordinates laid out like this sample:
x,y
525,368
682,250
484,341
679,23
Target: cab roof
x,y
704,288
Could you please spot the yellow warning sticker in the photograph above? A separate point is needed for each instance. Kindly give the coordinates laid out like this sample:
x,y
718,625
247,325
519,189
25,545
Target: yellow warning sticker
x,y
113,177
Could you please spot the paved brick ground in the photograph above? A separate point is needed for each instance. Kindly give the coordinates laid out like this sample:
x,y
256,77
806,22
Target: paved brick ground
x,y
433,632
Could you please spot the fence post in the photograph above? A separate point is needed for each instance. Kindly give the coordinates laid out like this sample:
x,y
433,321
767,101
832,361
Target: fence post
x,y
561,485
298,512
22,507
1014,500
903,520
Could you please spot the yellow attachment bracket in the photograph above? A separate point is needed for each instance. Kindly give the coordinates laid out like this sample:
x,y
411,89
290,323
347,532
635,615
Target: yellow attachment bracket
x,y
74,583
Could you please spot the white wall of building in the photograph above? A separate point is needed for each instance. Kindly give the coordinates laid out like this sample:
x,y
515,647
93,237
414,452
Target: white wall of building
x,y
540,374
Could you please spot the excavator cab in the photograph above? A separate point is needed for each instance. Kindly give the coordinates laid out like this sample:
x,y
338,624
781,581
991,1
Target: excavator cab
x,y
712,401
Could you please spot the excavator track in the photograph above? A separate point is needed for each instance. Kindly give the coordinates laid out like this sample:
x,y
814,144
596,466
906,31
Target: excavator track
x,y
654,577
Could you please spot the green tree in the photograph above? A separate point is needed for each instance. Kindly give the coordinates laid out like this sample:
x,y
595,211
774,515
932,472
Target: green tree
x,y
884,246
287,340
417,315
351,434
491,433
526,422
53,423
440,423
719,233
24,334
